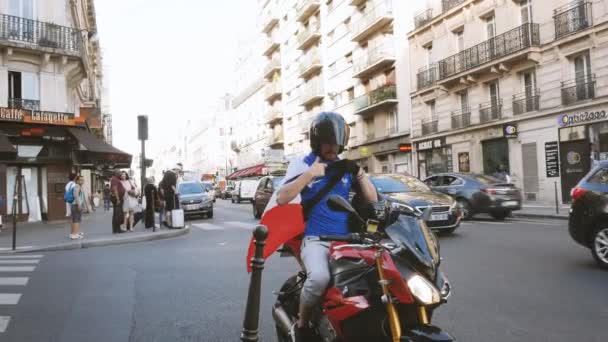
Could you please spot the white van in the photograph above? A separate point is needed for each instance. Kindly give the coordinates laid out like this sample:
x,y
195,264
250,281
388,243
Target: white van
x,y
244,190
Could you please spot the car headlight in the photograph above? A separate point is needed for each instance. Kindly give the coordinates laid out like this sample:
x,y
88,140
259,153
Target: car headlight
x,y
395,205
423,291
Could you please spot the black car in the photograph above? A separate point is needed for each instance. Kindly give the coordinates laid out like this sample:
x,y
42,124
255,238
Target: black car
x,y
588,222
194,199
400,190
477,193
266,187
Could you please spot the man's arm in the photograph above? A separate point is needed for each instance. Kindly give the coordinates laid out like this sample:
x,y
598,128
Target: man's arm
x,y
367,188
289,191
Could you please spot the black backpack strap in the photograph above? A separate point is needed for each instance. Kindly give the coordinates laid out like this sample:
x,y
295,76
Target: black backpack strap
x,y
308,205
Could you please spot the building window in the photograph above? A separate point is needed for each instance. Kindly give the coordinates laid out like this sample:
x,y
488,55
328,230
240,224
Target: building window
x,y
491,26
582,67
351,94
429,55
460,39
432,110
330,5
464,100
22,8
347,24
494,93
23,90
526,11
349,59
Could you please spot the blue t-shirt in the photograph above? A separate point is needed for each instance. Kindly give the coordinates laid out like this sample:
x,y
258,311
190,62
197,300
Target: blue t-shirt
x,y
321,219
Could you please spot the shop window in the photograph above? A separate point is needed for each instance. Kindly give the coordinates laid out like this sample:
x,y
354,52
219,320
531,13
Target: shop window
x,y
495,154
464,164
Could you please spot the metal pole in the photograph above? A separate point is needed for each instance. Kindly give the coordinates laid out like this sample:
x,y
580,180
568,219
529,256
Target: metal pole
x,y
252,310
143,164
556,201
16,200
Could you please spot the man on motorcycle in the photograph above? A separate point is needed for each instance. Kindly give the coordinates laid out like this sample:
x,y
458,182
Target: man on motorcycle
x,y
307,177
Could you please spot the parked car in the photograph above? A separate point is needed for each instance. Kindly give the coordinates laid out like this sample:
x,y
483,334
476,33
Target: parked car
x,y
217,192
477,193
266,187
209,188
194,199
244,190
227,192
588,221
399,189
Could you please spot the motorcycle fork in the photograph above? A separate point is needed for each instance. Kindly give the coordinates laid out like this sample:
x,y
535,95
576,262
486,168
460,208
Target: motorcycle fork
x,y
393,317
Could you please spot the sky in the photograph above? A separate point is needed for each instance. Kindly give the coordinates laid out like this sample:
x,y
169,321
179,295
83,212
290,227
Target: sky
x,y
169,60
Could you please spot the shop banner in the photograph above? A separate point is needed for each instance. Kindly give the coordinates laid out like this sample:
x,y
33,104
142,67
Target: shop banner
x,y
552,159
39,117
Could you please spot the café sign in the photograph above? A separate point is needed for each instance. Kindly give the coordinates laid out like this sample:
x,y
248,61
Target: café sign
x,y
38,117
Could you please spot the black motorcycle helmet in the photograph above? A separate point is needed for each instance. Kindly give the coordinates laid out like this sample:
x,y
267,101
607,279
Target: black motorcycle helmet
x,y
328,128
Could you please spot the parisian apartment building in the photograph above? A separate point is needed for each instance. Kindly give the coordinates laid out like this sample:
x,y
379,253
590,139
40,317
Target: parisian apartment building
x,y
521,84
344,56
50,106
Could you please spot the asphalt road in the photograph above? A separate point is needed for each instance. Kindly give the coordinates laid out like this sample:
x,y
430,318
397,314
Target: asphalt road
x,y
521,280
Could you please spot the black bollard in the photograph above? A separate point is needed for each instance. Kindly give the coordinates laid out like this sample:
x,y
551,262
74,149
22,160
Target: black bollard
x,y
252,310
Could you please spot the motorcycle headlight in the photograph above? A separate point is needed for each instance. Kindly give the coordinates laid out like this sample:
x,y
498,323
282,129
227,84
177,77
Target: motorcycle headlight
x,y
423,291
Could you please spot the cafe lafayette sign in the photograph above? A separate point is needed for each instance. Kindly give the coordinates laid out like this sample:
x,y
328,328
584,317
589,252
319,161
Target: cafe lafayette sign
x,y
38,117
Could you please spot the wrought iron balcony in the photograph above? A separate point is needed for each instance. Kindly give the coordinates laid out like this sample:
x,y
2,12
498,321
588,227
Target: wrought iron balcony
x,y
526,102
378,58
490,111
271,44
273,91
572,18
309,36
23,104
375,99
427,77
312,92
310,64
461,118
447,5
423,18
271,68
512,41
579,89
430,126
376,18
39,34
307,8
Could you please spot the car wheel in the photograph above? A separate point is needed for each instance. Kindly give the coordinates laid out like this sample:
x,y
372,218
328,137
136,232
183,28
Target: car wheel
x,y
210,214
501,214
465,208
238,199
256,213
599,249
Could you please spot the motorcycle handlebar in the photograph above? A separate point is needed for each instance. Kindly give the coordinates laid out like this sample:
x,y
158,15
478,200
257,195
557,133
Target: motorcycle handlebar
x,y
350,238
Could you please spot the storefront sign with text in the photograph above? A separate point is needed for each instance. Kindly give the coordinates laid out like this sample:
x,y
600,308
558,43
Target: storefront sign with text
x,y
552,159
38,117
430,144
565,120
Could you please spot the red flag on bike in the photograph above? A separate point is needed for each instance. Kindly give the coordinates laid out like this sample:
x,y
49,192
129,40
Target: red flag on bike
x,y
284,223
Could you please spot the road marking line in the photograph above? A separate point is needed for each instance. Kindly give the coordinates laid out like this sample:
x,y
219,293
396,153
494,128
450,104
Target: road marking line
x,y
4,320
9,298
24,256
17,262
207,226
13,281
17,268
20,248
241,224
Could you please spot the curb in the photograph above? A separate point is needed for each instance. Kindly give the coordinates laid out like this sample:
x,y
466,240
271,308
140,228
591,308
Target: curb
x,y
541,216
103,242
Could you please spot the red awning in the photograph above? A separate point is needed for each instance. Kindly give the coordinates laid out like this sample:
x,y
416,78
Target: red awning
x,y
248,172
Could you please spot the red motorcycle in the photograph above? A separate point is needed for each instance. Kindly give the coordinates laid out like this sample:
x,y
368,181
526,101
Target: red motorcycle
x,y
385,282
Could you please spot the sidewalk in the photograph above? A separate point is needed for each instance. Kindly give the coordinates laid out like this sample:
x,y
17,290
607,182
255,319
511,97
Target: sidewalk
x,y
533,211
97,229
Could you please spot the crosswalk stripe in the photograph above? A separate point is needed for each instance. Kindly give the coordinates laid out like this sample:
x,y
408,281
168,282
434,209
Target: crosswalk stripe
x,y
4,323
24,256
240,224
17,268
9,298
13,281
207,226
18,262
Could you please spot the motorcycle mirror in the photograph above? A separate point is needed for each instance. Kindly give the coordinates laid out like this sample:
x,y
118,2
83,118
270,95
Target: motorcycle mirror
x,y
339,203
426,214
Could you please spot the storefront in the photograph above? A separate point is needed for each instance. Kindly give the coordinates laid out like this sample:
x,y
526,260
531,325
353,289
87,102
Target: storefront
x,y
583,141
387,156
43,148
434,156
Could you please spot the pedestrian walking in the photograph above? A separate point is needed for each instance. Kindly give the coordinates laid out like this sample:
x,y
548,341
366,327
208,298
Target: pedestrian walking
x,y
79,205
169,190
151,194
107,195
117,195
130,201
69,187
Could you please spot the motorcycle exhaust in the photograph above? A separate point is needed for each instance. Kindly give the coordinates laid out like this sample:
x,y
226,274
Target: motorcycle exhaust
x,y
282,319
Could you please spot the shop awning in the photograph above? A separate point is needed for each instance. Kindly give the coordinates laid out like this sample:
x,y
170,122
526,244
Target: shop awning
x,y
248,172
7,150
97,151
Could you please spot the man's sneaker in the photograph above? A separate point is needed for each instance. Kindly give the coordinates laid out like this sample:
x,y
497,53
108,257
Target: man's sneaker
x,y
75,236
303,334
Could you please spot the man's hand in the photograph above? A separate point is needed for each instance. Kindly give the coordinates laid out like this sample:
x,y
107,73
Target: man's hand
x,y
317,169
351,166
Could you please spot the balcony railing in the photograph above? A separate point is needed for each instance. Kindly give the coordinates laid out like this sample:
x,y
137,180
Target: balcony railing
x,y
308,36
271,44
423,18
391,130
269,20
430,126
490,111
376,17
427,77
306,8
572,18
512,41
310,63
273,66
526,102
273,90
39,34
375,97
274,115
312,91
461,118
23,104
374,58
447,5
579,89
